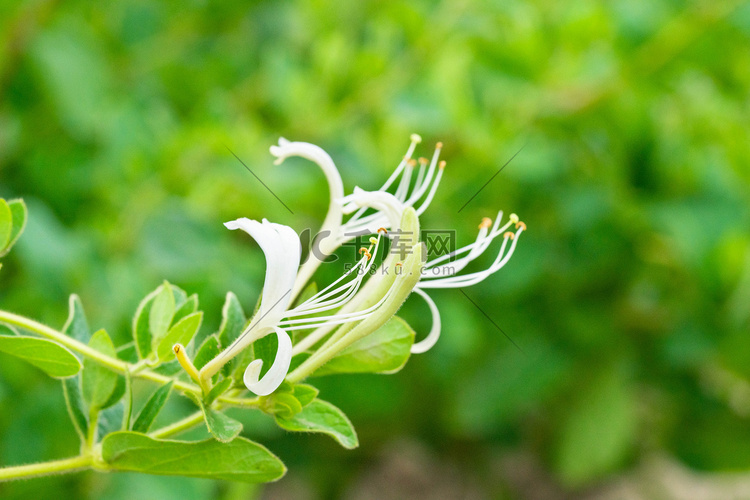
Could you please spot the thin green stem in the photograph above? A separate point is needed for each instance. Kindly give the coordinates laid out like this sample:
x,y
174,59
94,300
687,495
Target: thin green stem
x,y
241,402
70,343
65,465
183,425
93,428
113,364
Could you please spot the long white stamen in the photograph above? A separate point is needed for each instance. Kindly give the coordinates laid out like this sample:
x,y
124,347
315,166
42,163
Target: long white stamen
x,y
420,174
433,189
319,303
486,242
334,319
403,186
415,139
322,296
417,194
474,278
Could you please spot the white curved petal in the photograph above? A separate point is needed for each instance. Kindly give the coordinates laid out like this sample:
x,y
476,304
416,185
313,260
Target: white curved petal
x,y
426,343
276,374
390,207
281,246
311,152
327,239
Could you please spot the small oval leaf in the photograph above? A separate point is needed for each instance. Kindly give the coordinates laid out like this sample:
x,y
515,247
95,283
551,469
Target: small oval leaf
x,y
19,213
386,350
321,416
181,333
161,314
99,382
76,406
222,427
241,460
52,358
76,326
6,225
152,407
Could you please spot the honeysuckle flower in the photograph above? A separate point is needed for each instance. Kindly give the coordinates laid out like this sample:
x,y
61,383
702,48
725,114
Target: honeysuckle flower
x,y
393,209
437,274
282,249
334,232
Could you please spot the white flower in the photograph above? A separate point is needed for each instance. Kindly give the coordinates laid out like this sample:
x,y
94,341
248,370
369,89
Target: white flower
x,y
334,232
282,250
437,274
393,210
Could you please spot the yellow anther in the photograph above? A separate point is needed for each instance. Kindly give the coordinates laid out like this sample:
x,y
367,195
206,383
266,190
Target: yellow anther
x,y
520,225
373,240
411,163
439,145
486,222
362,250
423,161
399,264
383,230
442,164
510,235
514,218
415,138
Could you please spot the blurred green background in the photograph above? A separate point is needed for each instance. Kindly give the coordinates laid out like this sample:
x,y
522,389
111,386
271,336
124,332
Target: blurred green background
x,y
629,294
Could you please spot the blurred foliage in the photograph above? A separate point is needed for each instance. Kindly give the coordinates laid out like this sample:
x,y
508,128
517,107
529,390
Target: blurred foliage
x,y
628,295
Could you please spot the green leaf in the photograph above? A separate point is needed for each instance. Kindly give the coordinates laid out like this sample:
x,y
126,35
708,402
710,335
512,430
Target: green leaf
x,y
305,394
117,394
265,349
128,411
141,329
232,320
52,358
240,460
218,390
110,419
76,326
321,416
222,427
282,402
6,225
76,406
598,430
98,382
232,323
188,306
160,316
386,350
180,298
182,332
152,407
208,350
18,216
